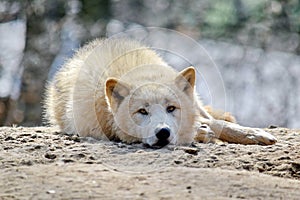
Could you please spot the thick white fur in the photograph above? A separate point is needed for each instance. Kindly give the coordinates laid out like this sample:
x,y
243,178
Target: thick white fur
x,y
76,99
100,91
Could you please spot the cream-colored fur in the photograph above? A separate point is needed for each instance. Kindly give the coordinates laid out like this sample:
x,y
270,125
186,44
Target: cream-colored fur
x,y
120,89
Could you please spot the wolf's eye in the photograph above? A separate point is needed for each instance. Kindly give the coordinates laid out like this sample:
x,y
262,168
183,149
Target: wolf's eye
x,y
143,111
171,109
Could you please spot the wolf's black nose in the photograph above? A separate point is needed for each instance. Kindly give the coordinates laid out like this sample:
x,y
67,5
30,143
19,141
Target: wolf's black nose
x,y
163,134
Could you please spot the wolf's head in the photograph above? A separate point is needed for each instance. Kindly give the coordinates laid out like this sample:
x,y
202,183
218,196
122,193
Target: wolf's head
x,y
154,112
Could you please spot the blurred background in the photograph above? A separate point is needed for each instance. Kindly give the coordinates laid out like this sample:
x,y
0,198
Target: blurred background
x,y
253,44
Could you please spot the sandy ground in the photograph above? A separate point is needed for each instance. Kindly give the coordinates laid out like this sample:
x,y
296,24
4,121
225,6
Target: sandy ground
x,y
41,163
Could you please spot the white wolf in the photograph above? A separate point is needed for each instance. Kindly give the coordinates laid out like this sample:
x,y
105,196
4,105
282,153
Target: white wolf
x,y
120,89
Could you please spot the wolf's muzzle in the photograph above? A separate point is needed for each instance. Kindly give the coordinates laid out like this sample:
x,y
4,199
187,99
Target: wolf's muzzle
x,y
163,134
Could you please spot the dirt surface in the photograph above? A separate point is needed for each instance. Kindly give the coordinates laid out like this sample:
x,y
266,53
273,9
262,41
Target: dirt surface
x,y
41,163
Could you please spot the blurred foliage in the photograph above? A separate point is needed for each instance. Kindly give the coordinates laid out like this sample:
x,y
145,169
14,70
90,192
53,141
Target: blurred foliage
x,y
95,10
254,10
223,18
293,12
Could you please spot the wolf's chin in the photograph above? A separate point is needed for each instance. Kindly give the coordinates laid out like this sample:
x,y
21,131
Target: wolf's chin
x,y
161,143
158,144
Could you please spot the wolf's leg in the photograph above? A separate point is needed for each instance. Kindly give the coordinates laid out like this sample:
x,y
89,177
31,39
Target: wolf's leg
x,y
227,131
219,114
203,131
206,135
235,133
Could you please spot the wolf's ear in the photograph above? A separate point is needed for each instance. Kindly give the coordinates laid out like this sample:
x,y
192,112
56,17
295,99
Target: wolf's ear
x,y
186,80
116,91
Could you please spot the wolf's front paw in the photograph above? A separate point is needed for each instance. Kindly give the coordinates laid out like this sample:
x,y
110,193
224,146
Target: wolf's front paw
x,y
206,135
261,136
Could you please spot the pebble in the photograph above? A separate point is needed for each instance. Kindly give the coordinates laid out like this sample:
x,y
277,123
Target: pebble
x,y
50,156
51,192
296,166
177,162
190,150
26,162
140,151
9,138
68,160
272,126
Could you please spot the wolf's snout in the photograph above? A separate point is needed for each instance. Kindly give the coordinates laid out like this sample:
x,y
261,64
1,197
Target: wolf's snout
x,y
163,134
